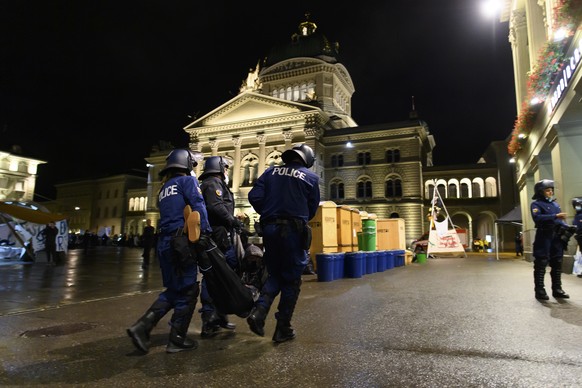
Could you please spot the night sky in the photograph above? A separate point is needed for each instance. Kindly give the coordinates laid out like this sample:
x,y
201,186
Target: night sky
x,y
91,86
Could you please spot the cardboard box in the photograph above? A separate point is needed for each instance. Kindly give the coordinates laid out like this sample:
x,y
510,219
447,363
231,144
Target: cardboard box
x,y
390,234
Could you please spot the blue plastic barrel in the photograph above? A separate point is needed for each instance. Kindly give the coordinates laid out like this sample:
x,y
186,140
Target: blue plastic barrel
x,y
381,264
371,261
338,265
353,264
325,267
399,258
389,259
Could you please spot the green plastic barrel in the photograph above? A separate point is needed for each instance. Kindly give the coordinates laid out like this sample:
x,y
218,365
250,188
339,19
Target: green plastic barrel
x,y
368,235
421,258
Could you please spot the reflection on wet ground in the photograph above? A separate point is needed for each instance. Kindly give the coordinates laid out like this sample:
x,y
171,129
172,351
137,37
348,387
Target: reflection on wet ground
x,y
80,276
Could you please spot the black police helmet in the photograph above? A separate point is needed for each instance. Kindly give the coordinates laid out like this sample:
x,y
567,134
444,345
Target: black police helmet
x,y
182,159
304,152
576,202
215,165
540,187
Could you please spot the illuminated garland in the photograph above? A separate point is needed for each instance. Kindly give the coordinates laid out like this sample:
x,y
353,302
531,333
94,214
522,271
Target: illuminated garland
x,y
568,14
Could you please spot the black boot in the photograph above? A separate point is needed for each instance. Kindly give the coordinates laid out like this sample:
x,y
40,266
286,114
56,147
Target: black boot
x,y
180,323
140,331
283,332
210,325
540,291
179,342
556,275
224,323
256,320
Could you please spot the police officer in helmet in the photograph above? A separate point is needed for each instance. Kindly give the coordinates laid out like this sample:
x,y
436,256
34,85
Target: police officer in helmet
x,y
548,246
220,208
179,188
286,197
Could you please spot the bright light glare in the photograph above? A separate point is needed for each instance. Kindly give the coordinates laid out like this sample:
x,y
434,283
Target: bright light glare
x,y
512,160
349,144
490,8
560,34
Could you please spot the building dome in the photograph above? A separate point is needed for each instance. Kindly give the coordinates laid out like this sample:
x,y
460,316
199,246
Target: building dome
x,y
307,42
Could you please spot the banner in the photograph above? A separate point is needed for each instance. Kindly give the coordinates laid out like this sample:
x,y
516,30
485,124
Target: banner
x,y
447,242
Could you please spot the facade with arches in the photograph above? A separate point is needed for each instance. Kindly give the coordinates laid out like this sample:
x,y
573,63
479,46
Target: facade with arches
x,y
301,93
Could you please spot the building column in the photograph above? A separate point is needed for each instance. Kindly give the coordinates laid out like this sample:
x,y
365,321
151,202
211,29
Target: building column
x,y
288,137
194,145
519,48
262,162
536,29
236,171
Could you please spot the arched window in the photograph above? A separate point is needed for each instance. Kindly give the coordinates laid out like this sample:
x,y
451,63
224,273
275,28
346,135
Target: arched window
x,y
336,190
364,189
464,190
429,190
296,93
477,188
490,187
392,156
393,188
249,170
274,159
442,190
452,190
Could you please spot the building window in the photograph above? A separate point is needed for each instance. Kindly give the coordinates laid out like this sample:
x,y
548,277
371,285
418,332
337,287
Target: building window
x,y
392,156
476,190
490,187
442,190
250,165
114,212
464,190
336,190
393,188
364,158
364,189
337,160
452,190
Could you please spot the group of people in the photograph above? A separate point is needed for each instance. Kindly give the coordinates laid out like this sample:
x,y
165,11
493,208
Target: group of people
x,y
286,198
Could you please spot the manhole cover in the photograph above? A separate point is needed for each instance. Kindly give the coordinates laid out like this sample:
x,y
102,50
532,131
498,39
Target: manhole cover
x,y
56,331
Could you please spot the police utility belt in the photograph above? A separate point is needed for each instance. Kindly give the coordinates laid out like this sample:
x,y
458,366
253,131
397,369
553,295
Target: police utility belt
x,y
297,223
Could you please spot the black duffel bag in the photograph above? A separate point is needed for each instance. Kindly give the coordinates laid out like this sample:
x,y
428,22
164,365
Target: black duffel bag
x,y
228,292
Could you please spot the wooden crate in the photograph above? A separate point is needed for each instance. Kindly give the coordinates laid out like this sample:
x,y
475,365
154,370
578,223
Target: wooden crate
x,y
390,234
344,228
324,229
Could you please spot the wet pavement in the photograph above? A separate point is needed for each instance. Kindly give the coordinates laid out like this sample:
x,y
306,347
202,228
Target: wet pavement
x,y
450,322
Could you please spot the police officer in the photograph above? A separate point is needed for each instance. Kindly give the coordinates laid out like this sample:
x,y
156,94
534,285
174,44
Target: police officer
x,y
548,246
179,188
220,208
286,197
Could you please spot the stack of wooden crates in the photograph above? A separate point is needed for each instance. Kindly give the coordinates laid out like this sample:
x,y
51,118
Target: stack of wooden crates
x,y
335,229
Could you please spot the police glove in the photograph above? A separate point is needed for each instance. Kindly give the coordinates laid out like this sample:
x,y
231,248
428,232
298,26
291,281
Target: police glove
x,y
237,225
